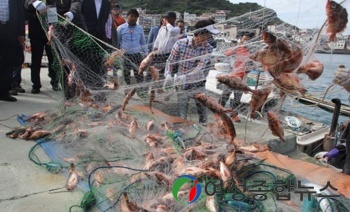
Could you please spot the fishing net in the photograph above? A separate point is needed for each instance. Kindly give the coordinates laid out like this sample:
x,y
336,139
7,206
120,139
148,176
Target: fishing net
x,y
127,152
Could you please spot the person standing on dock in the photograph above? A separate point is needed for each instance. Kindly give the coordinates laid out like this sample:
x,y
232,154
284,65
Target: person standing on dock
x,y
240,68
131,39
11,40
191,77
167,36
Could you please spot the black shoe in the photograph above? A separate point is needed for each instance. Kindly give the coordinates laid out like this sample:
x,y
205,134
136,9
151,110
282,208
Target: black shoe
x,y
35,91
8,98
13,92
20,89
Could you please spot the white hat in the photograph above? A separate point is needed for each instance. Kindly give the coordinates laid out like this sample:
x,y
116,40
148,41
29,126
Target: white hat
x,y
211,29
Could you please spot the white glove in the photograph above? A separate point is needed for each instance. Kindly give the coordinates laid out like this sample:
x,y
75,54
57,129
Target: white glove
x,y
168,81
342,76
180,80
69,16
39,5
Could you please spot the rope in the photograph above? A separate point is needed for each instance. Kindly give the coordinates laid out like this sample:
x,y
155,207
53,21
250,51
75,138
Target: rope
x,y
109,167
31,153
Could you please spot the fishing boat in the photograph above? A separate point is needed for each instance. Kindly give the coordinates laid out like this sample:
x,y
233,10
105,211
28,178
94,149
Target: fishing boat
x,y
341,46
326,105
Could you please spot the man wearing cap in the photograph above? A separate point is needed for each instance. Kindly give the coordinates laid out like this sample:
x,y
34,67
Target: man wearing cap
x,y
166,38
192,56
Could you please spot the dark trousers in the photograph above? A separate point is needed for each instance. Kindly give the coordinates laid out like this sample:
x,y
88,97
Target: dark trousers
x,y
37,47
159,61
132,62
17,78
235,103
5,79
11,55
183,99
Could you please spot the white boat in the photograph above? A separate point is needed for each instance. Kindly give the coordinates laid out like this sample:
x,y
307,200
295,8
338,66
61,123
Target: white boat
x,y
213,86
341,46
309,134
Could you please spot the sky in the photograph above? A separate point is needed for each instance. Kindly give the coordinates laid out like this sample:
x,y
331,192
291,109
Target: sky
x,y
301,13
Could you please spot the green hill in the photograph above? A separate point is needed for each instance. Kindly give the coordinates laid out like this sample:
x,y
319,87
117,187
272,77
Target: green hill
x,y
191,6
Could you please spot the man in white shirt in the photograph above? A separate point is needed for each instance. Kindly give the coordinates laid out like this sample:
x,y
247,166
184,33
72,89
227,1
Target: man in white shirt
x,y
166,38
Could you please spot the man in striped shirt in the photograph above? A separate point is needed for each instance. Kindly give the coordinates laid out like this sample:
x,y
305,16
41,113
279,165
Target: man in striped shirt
x,y
190,56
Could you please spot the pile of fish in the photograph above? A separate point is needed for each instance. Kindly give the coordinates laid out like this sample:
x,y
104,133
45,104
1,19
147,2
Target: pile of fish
x,y
214,154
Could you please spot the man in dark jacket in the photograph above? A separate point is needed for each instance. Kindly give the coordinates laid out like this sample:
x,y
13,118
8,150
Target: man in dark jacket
x,y
69,9
39,42
95,14
11,41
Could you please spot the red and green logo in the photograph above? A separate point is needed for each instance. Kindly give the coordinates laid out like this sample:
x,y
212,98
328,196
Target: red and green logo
x,y
195,191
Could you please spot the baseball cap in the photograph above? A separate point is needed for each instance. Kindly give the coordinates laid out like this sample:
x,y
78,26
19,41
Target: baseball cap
x,y
170,14
211,29
116,6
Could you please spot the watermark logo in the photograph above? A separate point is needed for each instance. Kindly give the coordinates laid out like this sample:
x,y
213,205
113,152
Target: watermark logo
x,y
195,191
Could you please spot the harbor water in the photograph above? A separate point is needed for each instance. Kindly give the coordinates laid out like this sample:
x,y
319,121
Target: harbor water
x,y
318,88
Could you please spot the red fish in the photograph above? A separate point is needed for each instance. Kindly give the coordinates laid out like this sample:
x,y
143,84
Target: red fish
x,y
73,178
337,18
128,97
254,148
229,127
50,35
276,51
313,69
113,57
126,206
133,127
275,125
152,97
150,125
226,174
210,103
259,97
146,62
154,72
37,134
28,132
71,75
289,83
234,82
